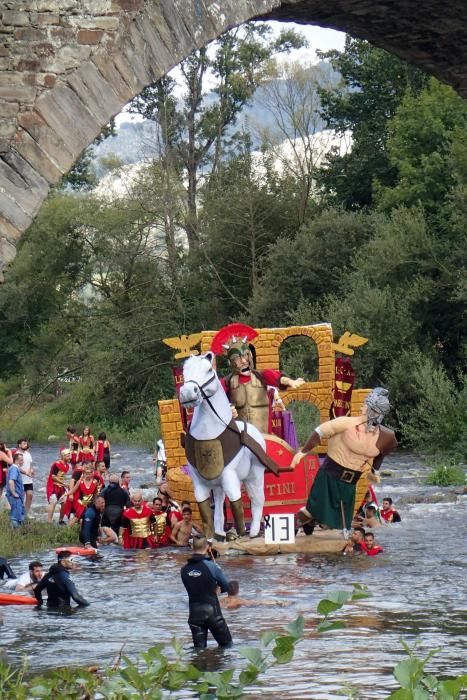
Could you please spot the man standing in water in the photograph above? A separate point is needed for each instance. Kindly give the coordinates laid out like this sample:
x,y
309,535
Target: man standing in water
x,y
59,584
201,576
356,447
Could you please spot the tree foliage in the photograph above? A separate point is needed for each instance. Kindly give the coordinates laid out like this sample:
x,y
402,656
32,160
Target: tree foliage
x,y
373,85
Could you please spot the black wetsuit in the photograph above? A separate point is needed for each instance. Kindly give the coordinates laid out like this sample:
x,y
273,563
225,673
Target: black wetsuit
x,y
201,576
60,588
90,526
116,500
5,569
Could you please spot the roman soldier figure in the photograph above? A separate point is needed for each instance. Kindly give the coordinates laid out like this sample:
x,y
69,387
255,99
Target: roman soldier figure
x,y
247,387
55,487
137,530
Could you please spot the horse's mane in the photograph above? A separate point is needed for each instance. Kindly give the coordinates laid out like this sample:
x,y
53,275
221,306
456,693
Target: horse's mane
x,y
193,360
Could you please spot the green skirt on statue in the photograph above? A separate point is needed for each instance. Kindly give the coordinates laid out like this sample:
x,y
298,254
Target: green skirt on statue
x,y
326,496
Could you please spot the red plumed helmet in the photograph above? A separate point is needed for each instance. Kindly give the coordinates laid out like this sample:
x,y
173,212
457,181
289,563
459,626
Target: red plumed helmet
x,y
233,334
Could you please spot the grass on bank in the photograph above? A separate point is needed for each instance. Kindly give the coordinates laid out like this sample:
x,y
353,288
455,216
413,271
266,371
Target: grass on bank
x,y
51,419
33,536
447,474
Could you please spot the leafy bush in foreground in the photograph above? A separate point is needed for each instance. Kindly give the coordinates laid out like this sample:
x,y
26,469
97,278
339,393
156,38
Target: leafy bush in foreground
x,y
154,676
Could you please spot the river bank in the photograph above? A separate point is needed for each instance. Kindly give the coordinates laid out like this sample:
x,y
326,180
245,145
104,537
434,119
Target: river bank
x,y
47,423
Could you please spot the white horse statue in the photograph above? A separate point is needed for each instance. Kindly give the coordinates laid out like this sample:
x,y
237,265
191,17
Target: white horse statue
x,y
218,460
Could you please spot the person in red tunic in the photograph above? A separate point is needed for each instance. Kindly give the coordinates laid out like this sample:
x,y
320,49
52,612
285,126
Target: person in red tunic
x,y
73,438
102,450
87,488
56,488
161,527
137,530
81,486
247,387
86,446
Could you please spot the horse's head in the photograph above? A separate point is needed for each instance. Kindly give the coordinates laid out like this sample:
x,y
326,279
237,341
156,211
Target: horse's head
x,y
200,380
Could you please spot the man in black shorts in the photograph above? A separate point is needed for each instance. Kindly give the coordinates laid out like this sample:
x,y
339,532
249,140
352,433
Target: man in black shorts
x,y
201,576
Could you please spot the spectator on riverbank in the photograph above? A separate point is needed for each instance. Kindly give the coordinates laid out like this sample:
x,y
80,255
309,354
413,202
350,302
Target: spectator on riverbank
x,y
15,491
389,513
6,458
27,472
369,545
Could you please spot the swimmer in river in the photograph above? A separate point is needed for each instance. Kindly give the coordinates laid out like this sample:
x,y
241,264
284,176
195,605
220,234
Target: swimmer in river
x,y
233,602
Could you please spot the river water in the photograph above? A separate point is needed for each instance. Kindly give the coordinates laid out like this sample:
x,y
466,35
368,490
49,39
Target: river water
x,y
418,586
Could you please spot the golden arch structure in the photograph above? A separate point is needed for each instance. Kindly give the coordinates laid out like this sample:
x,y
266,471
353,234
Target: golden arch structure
x,y
267,346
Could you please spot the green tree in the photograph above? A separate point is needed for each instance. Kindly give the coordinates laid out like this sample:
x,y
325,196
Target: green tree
x,y
427,147
310,265
49,266
373,85
196,132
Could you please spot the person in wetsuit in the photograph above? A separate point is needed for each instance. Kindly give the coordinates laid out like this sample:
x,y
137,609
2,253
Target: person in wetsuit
x,y
59,584
201,576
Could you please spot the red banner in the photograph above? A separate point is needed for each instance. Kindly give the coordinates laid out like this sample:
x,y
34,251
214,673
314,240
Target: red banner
x,y
343,384
186,414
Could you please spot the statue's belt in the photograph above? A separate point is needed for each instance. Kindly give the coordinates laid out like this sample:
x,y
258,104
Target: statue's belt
x,y
210,456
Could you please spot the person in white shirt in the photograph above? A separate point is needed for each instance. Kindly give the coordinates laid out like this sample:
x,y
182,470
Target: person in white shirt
x,y
28,581
27,472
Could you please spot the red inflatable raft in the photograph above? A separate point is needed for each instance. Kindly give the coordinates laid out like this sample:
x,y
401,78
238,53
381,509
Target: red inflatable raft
x,y
79,551
12,599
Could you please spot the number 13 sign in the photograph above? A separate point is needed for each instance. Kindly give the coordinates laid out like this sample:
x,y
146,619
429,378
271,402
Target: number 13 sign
x,y
279,528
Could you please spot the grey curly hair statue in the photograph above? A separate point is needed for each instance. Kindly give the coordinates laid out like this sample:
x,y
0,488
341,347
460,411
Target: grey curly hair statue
x,y
378,405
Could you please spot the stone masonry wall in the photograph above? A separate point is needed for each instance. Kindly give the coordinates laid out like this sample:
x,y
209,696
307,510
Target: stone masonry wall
x,y
68,66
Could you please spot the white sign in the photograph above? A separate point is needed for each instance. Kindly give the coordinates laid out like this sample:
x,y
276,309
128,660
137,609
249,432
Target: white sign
x,y
279,529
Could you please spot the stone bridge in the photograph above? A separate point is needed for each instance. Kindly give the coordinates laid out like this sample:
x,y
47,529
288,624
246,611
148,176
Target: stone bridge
x,y
68,66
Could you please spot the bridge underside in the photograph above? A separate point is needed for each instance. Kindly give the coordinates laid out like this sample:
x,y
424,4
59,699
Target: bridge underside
x,y
68,66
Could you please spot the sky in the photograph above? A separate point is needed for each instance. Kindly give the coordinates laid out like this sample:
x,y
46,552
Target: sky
x,y
317,38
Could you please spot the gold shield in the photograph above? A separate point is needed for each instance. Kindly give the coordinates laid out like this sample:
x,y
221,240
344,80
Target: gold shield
x,y
209,458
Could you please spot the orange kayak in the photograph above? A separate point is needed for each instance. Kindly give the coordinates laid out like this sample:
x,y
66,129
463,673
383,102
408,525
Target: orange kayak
x,y
79,551
12,599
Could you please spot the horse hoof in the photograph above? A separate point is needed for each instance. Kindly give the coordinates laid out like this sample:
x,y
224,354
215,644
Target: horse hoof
x,y
231,535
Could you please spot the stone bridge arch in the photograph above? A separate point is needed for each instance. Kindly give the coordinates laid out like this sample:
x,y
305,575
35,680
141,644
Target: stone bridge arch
x,y
68,66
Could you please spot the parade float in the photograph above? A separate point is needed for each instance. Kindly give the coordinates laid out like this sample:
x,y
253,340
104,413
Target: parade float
x,y
332,393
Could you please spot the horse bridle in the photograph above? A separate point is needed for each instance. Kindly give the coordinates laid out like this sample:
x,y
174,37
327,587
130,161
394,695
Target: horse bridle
x,y
205,396
201,387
